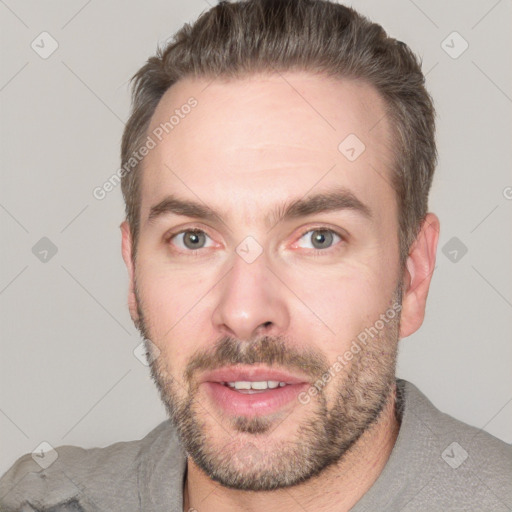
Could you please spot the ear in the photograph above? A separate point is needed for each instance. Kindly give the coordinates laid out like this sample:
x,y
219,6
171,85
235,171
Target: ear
x,y
126,248
420,266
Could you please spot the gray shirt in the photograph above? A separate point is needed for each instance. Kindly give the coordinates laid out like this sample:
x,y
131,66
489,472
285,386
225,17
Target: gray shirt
x,y
437,464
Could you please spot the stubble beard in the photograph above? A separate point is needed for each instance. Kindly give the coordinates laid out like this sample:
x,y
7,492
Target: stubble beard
x,y
244,462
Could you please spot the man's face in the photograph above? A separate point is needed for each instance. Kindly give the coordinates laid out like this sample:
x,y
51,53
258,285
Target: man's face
x,y
306,294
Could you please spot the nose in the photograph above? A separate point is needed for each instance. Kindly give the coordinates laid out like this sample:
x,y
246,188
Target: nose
x,y
251,301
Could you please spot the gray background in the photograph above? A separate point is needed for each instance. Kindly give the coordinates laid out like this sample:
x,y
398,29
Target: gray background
x,y
68,374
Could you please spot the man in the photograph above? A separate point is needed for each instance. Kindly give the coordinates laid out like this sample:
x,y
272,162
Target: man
x,y
276,171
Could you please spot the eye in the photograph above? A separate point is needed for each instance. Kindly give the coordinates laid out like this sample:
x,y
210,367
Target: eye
x,y
189,239
321,238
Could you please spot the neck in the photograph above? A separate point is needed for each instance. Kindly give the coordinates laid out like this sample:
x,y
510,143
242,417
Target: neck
x,y
338,488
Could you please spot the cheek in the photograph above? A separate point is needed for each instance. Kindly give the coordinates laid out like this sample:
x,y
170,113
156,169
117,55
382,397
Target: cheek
x,y
341,305
173,305
168,295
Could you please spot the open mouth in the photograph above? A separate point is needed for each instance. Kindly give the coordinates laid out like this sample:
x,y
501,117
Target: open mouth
x,y
252,390
249,388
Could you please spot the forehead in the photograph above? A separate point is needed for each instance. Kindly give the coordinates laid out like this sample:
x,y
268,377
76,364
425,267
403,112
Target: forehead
x,y
267,136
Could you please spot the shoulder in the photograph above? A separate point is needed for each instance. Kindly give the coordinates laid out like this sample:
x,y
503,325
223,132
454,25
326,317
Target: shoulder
x,y
444,427
467,466
69,476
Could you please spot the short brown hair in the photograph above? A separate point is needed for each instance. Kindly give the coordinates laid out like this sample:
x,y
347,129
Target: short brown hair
x,y
237,39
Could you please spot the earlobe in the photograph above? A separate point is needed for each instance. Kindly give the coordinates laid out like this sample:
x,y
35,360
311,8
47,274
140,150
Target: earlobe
x,y
418,274
126,249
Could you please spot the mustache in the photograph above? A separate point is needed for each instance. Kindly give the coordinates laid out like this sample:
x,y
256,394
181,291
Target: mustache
x,y
269,350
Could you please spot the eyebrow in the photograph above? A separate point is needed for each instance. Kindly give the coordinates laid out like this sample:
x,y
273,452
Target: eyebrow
x,y
336,200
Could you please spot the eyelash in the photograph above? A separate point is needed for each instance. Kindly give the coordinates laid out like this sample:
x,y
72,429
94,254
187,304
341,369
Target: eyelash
x,y
315,252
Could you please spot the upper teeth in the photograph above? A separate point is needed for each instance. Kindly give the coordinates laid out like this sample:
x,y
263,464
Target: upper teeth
x,y
263,384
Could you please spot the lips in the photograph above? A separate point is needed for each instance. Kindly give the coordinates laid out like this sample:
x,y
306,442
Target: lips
x,y
270,401
220,384
252,374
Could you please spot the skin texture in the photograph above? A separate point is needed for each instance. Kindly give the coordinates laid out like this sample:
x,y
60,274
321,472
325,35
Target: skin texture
x,y
251,144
